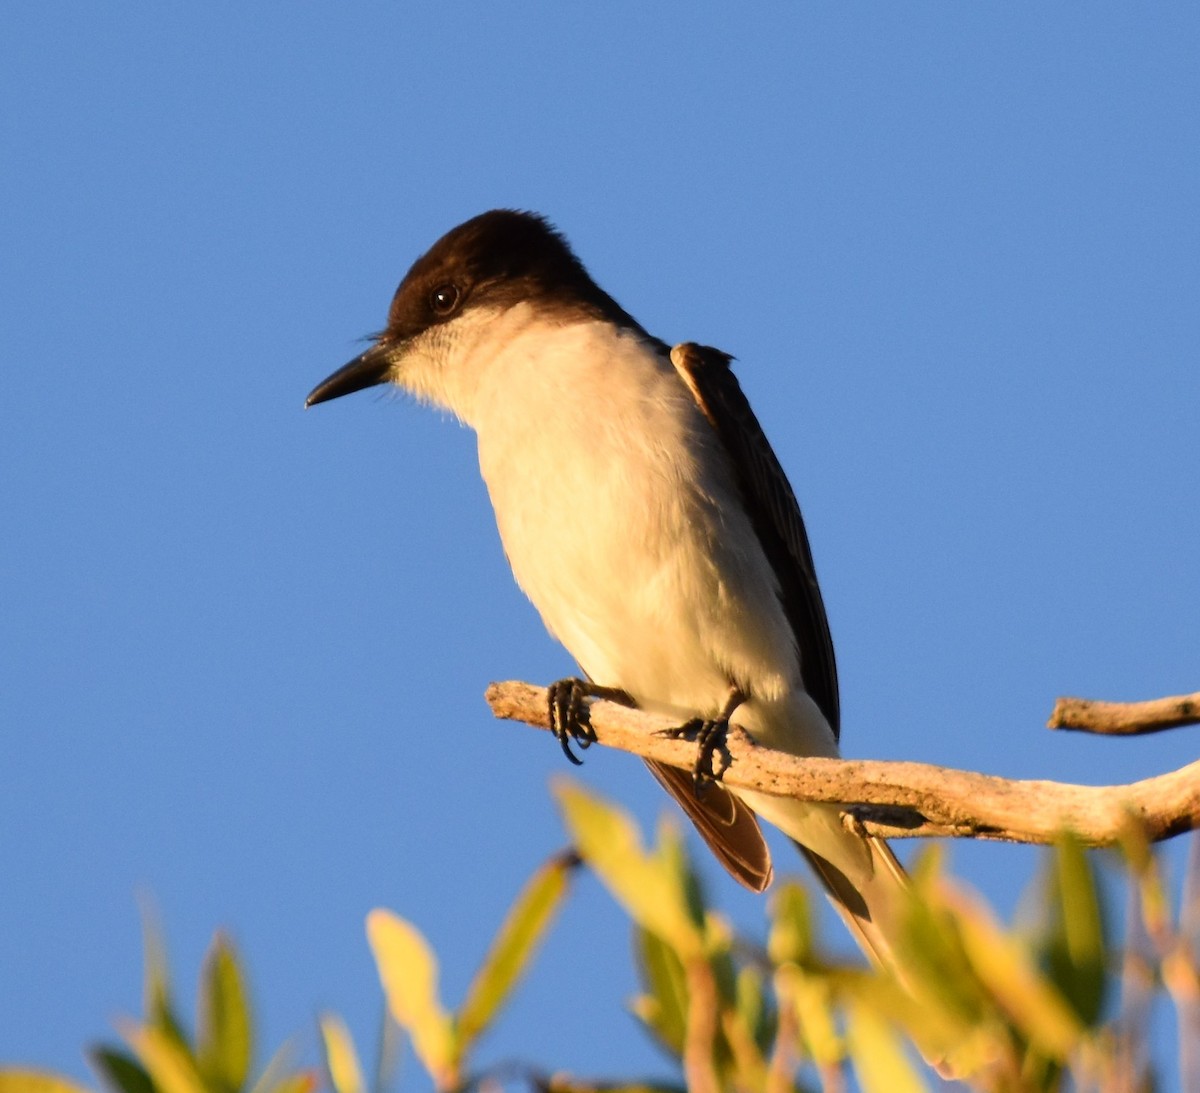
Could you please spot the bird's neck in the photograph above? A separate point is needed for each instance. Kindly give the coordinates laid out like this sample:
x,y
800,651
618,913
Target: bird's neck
x,y
527,364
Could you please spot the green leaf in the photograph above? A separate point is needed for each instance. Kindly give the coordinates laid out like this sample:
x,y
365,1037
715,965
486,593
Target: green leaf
x,y
512,948
160,1010
672,852
21,1080
408,971
937,969
645,885
742,1049
224,1036
300,1081
341,1060
755,1008
939,1033
1074,951
1003,964
811,1003
718,944
791,936
120,1071
169,1063
879,1059
664,1008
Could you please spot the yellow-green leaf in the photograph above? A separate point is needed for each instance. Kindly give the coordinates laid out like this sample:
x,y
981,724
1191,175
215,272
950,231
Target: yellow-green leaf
x,y
21,1080
811,1003
672,852
790,939
300,1081
664,1008
754,1009
879,1059
936,967
742,1029
160,1009
168,1062
1031,1002
224,1037
341,1060
1075,953
408,971
120,1071
512,948
647,887
940,1032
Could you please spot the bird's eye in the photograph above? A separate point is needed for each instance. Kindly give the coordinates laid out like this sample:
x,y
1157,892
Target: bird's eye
x,y
444,299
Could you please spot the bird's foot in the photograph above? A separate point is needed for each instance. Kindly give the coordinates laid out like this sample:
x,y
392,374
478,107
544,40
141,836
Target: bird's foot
x,y
709,734
570,718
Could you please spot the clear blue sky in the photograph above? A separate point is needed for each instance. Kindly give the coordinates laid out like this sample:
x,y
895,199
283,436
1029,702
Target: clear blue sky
x,y
955,247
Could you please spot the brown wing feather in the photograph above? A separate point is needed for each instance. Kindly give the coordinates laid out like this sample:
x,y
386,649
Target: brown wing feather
x,y
728,825
774,512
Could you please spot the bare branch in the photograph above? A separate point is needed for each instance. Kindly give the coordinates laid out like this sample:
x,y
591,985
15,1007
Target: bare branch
x,y
900,800
1125,718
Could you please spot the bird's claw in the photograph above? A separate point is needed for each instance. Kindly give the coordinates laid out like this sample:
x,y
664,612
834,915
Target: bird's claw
x,y
569,717
709,735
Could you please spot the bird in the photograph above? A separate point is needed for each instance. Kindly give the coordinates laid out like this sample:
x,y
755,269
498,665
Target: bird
x,y
645,515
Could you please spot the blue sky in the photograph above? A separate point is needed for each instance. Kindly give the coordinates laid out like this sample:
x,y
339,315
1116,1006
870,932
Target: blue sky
x,y
955,247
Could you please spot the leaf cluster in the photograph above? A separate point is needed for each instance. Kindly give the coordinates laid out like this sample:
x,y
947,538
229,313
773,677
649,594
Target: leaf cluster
x,y
160,1055
1052,1003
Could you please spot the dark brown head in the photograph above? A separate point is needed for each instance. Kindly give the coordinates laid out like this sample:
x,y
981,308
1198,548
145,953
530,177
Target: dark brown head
x,y
488,265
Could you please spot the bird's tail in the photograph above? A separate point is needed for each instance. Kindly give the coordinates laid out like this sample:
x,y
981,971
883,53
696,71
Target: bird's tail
x,y
869,907
862,877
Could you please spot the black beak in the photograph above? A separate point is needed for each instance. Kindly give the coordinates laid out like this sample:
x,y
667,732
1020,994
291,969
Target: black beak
x,y
366,370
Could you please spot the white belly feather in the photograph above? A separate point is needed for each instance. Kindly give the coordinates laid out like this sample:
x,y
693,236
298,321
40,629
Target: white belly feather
x,y
636,549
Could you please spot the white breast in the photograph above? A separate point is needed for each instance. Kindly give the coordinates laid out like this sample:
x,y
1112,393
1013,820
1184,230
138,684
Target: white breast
x,y
622,523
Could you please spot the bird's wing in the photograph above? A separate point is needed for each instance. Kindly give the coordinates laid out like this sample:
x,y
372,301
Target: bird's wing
x,y
725,822
773,510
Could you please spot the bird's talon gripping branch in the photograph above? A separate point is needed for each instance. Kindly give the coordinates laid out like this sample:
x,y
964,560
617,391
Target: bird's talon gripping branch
x,y
569,718
569,715
708,734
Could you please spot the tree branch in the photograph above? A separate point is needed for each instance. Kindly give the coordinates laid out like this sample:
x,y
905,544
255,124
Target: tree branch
x,y
1125,718
900,800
